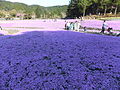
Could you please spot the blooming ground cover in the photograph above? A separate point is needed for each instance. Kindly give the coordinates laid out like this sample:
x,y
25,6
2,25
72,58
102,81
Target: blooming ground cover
x,y
12,27
16,26
34,24
115,24
59,60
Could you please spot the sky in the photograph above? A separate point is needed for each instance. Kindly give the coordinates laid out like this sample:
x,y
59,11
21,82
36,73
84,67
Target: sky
x,y
43,2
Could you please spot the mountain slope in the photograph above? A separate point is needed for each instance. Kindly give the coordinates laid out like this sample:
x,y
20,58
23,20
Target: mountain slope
x,y
55,11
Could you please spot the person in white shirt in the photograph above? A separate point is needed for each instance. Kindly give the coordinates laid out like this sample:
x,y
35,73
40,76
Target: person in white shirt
x,y
68,25
77,26
104,26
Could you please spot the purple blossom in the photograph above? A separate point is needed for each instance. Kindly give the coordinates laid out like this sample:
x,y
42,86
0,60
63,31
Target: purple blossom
x,y
59,60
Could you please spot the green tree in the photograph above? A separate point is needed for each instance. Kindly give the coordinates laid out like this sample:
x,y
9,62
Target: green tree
x,y
116,4
13,13
74,10
2,15
104,4
77,8
84,4
37,12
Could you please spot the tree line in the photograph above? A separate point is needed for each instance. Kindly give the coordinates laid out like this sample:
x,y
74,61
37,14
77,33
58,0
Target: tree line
x,y
77,8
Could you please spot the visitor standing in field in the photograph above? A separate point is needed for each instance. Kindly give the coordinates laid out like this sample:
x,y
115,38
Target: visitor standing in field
x,y
76,26
84,28
72,26
79,26
0,27
67,25
104,26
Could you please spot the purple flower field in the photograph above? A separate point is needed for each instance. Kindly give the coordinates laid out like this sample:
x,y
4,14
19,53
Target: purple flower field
x,y
59,24
12,27
49,58
59,60
115,24
41,24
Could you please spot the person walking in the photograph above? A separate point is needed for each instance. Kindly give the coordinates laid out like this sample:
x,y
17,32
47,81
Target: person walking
x,y
104,26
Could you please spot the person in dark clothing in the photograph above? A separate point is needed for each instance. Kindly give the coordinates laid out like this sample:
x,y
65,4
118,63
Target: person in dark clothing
x,y
84,28
109,30
0,27
118,34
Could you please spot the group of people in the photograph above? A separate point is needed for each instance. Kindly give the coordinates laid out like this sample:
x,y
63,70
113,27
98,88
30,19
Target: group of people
x,y
73,26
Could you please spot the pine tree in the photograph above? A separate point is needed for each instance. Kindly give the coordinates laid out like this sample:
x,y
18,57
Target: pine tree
x,y
74,10
78,8
84,4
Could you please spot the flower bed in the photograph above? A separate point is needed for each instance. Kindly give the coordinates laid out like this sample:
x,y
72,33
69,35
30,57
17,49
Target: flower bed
x,y
59,60
48,24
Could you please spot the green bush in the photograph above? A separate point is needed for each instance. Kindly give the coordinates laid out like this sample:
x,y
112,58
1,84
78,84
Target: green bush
x,y
2,15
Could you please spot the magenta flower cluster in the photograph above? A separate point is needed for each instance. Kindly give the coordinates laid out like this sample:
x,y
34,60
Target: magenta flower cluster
x,y
115,24
59,24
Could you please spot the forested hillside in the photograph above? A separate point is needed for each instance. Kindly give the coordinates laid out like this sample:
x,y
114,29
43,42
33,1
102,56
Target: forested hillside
x,y
11,10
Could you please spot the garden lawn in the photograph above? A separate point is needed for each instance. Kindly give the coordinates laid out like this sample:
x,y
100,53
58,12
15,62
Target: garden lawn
x,y
59,60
